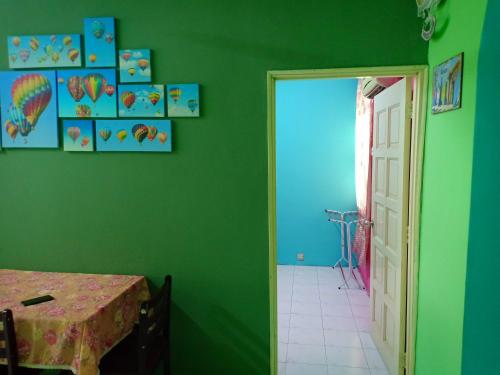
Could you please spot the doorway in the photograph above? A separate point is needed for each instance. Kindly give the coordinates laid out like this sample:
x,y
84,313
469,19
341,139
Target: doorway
x,y
406,320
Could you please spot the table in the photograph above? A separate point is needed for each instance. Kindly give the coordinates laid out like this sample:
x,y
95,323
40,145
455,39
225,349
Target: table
x,y
89,316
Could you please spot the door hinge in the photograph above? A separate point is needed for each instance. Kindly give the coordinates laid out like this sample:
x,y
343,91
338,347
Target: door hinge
x,y
403,360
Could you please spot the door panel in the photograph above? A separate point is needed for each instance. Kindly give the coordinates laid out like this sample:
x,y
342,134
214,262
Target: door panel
x,y
390,172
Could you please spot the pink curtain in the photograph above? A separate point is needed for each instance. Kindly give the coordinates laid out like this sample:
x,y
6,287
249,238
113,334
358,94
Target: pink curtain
x,y
363,144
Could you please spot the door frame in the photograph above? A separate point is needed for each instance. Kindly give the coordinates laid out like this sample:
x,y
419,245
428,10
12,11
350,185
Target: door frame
x,y
420,72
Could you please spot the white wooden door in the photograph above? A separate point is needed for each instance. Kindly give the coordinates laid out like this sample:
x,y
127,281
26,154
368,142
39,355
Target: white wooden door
x,y
390,180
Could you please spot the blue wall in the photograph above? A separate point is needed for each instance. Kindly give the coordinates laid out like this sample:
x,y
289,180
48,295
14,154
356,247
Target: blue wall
x,y
315,122
482,305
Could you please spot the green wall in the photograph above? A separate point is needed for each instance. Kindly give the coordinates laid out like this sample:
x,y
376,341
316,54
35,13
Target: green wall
x,y
446,197
201,212
482,306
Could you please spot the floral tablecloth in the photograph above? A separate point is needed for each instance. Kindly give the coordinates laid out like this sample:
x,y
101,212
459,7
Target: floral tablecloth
x,y
90,314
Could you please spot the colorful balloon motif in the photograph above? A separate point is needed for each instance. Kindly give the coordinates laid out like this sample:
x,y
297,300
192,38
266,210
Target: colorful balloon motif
x,y
154,97
122,134
24,54
140,131
18,119
152,131
175,93
97,29
162,137
16,41
128,99
143,64
67,41
94,86
108,37
48,49
73,54
105,134
31,93
131,71
75,88
53,39
11,129
34,43
126,55
83,110
192,104
85,141
55,57
110,90
13,58
73,132
92,58
60,80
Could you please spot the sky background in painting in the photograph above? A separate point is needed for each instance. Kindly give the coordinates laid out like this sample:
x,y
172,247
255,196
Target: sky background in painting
x,y
45,133
142,106
105,52
105,106
130,143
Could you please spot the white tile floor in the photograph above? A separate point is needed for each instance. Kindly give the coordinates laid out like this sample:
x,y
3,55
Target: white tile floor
x,y
323,330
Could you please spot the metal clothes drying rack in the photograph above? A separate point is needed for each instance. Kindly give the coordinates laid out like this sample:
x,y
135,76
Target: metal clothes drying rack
x,y
341,217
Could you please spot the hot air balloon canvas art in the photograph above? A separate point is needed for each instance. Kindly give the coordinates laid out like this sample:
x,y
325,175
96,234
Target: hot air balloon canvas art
x,y
135,65
29,109
87,93
100,49
44,51
141,135
78,135
141,101
183,100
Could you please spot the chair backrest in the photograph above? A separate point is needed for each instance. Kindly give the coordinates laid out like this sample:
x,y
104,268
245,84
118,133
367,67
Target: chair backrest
x,y
8,346
154,329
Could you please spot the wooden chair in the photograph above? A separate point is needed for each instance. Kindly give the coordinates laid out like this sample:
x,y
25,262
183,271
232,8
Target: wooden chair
x,y
141,352
8,347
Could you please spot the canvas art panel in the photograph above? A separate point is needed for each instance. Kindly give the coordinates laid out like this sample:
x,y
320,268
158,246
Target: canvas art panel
x,y
183,100
29,109
100,48
44,51
141,101
141,135
447,85
78,135
135,65
87,93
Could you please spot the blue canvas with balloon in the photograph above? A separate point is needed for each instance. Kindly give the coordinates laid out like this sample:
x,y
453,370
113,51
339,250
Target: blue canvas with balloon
x,y
141,135
87,93
44,51
141,101
78,135
100,49
29,109
135,65
183,100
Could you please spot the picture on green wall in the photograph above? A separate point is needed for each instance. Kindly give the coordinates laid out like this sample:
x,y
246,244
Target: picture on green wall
x,y
183,100
100,49
78,135
134,135
135,65
29,109
447,85
44,51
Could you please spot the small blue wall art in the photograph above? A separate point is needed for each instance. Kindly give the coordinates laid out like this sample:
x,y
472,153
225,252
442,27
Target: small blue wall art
x,y
142,135
78,135
183,100
141,101
100,49
44,51
135,65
